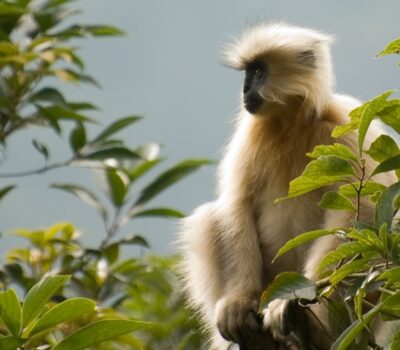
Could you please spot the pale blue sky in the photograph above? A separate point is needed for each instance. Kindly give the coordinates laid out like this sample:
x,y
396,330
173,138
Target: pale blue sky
x,y
168,69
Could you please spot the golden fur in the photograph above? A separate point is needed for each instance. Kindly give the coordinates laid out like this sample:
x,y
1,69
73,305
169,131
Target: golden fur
x,y
228,244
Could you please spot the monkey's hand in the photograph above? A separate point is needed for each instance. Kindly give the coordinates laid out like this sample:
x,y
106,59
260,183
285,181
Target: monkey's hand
x,y
287,322
276,318
237,317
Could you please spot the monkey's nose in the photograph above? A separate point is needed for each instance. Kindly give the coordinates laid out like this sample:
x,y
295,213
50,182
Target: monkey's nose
x,y
252,102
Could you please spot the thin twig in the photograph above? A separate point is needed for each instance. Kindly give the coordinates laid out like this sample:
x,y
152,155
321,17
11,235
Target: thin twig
x,y
53,166
39,170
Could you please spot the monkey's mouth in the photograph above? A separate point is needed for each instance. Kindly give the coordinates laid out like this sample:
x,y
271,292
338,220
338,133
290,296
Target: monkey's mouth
x,y
253,102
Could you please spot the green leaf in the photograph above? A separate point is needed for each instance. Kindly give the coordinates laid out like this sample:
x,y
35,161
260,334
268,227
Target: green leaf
x,y
385,238
49,4
385,207
370,188
113,153
170,177
348,336
390,114
391,304
347,269
142,169
46,20
391,275
68,310
395,344
115,127
118,187
84,195
111,252
134,240
10,310
8,48
41,148
367,237
56,113
77,138
323,171
338,150
335,201
391,48
342,252
49,94
10,343
338,317
81,106
163,212
79,31
14,271
302,239
71,76
98,332
39,295
384,147
10,15
289,285
369,113
361,117
355,116
389,164
5,190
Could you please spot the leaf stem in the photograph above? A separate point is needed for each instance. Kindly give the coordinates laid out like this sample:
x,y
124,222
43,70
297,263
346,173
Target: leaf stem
x,y
359,189
111,230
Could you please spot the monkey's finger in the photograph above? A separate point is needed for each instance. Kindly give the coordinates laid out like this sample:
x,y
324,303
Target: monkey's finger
x,y
289,317
224,331
249,327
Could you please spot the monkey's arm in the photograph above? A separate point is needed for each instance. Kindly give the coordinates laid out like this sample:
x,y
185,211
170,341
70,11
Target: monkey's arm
x,y
222,269
241,267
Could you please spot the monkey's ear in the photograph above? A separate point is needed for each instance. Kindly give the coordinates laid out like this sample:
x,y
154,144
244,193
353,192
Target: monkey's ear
x,y
307,58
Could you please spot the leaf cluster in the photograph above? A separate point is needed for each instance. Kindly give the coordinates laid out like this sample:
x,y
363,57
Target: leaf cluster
x,y
80,297
71,324
92,285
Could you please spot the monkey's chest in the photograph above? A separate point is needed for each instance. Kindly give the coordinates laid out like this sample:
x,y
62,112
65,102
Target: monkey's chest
x,y
277,223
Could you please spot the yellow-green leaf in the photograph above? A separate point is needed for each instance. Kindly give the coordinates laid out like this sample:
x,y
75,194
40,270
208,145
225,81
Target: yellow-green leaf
x,y
325,170
98,332
392,48
66,311
10,310
335,201
302,239
337,150
384,147
39,295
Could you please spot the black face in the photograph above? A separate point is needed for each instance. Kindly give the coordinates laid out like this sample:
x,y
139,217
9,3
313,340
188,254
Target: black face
x,y
256,74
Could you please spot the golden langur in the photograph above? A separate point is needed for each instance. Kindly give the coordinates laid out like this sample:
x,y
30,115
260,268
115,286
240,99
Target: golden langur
x,y
288,106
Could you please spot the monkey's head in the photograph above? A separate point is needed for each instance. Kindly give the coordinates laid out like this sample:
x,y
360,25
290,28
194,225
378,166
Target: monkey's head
x,y
283,63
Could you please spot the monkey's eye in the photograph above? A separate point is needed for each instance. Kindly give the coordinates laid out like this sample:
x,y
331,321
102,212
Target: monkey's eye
x,y
258,73
256,70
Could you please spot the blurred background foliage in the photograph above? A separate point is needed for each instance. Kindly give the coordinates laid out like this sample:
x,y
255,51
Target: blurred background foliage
x,y
97,290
